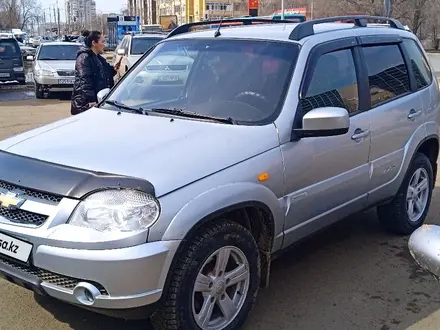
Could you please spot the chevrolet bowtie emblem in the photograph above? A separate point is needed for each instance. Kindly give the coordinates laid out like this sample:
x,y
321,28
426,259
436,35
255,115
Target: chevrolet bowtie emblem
x,y
10,200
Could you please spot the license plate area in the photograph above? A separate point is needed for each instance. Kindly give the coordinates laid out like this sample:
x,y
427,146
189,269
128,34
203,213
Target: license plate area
x,y
66,81
4,74
15,248
168,78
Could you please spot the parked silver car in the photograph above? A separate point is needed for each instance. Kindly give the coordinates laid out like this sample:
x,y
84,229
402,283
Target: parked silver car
x,y
174,204
54,68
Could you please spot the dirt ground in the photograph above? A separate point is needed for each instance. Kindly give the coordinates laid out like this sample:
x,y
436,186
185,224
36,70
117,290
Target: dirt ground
x,y
351,276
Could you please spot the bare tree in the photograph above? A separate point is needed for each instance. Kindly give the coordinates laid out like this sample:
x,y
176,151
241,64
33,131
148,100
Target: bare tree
x,y
27,9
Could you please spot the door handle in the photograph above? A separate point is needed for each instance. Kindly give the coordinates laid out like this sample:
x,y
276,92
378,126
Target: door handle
x,y
360,134
413,114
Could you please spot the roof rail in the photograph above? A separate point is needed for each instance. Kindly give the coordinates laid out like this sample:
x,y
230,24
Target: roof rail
x,y
305,29
185,28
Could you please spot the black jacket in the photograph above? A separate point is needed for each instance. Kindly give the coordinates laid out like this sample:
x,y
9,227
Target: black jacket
x,y
92,74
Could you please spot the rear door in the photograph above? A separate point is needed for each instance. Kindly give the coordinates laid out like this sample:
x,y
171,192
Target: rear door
x,y
395,110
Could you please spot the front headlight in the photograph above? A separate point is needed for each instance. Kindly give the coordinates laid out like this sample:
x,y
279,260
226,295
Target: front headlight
x,y
18,69
43,72
122,210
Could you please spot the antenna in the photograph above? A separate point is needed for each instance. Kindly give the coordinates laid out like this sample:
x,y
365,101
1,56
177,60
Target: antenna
x,y
217,33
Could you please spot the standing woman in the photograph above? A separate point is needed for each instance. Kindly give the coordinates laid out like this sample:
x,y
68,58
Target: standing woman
x,y
92,73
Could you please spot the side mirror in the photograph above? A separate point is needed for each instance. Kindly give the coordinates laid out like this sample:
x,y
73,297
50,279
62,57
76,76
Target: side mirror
x,y
424,246
328,121
29,58
102,94
121,52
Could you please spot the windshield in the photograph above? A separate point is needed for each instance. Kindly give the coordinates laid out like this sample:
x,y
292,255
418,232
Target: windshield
x,y
58,52
243,80
9,48
141,45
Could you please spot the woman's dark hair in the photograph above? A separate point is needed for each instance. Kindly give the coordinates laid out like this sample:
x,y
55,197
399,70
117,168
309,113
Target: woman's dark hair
x,y
85,33
93,36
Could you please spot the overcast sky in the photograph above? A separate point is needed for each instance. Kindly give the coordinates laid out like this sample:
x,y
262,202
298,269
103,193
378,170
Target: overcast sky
x,y
106,6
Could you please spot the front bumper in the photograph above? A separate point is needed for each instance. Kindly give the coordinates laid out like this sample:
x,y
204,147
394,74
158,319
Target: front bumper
x,y
126,278
12,75
55,84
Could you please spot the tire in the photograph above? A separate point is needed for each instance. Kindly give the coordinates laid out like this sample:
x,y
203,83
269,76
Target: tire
x,y
39,93
180,306
395,216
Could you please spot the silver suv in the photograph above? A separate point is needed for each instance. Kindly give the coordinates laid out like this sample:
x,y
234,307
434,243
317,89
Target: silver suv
x,y
173,203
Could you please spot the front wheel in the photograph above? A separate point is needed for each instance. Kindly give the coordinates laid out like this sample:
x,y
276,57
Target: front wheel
x,y
39,92
215,281
409,208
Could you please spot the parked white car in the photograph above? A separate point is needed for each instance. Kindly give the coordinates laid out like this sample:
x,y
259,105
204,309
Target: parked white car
x,y
54,68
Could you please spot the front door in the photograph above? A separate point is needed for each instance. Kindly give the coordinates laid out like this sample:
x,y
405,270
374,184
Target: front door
x,y
327,177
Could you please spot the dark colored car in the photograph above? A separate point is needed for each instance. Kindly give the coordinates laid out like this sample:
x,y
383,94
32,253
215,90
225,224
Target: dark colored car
x,y
11,61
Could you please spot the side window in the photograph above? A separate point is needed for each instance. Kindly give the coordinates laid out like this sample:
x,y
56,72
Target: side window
x,y
387,73
334,83
420,66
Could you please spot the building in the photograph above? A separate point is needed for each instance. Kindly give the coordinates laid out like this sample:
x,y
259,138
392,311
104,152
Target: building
x,y
188,11
145,9
80,14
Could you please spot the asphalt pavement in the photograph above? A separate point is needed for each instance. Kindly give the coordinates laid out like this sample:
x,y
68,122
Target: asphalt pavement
x,y
351,276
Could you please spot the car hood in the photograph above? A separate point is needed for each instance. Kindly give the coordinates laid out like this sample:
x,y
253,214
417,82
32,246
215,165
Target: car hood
x,y
57,65
169,154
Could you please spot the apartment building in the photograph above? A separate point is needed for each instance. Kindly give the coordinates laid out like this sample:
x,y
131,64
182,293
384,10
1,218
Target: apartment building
x,y
145,9
197,10
80,13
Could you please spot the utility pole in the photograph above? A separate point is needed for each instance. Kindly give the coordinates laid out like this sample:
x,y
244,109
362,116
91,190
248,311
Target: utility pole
x,y
282,9
44,22
59,24
38,25
388,7
55,16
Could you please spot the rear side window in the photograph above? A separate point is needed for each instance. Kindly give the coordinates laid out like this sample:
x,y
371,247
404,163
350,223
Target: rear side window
x,y
387,73
420,66
334,83
9,48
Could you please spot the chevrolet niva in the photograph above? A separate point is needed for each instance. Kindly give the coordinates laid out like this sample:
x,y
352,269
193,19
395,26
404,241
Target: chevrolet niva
x,y
171,196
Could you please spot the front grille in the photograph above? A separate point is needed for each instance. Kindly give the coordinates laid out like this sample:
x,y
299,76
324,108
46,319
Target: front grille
x,y
22,217
172,67
52,278
30,192
66,73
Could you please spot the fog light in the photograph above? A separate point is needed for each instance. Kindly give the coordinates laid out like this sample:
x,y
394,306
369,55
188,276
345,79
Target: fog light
x,y
88,295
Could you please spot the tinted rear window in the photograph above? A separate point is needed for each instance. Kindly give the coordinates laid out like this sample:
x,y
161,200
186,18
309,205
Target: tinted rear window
x,y
9,48
387,73
141,45
58,52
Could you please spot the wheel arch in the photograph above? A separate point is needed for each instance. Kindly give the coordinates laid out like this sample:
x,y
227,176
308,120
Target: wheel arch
x,y
430,147
261,215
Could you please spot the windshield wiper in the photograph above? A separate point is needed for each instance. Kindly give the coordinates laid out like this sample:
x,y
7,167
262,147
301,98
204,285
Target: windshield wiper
x,y
126,107
190,114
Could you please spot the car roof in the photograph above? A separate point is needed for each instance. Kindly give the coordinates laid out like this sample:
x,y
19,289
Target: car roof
x,y
150,35
8,39
63,43
281,32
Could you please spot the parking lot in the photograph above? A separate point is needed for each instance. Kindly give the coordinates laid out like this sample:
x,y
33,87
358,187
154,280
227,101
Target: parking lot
x,y
351,276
